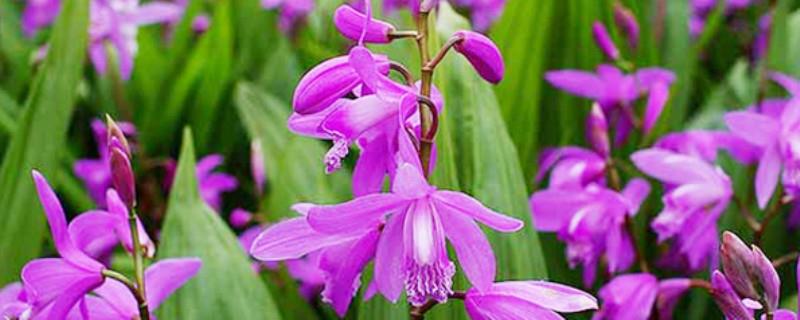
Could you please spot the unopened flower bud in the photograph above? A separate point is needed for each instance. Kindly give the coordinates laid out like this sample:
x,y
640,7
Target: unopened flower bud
x,y
201,23
122,174
597,131
767,277
114,132
350,24
257,165
329,81
603,40
240,218
482,53
626,21
729,303
737,264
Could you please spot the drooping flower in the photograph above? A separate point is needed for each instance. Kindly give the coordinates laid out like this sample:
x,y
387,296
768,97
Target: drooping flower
x,y
592,223
60,281
633,296
292,12
96,173
212,184
115,301
518,300
616,93
698,194
777,137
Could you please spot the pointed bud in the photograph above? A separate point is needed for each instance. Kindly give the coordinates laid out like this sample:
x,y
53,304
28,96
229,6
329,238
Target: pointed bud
x,y
257,165
626,21
329,81
737,263
122,174
767,277
200,23
597,131
603,40
240,218
482,53
350,23
729,303
114,132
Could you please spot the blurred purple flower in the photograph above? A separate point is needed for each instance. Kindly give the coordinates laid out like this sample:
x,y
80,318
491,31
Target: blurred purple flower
x,y
571,168
38,14
308,272
113,300
592,223
697,194
705,145
96,173
626,21
239,218
533,299
616,93
604,41
201,23
292,12
632,297
60,281
701,9
483,12
777,137
212,184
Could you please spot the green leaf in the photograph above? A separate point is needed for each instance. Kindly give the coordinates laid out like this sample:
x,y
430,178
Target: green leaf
x,y
293,163
37,143
226,287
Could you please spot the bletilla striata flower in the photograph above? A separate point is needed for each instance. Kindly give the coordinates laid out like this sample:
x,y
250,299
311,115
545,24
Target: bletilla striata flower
x,y
519,300
705,145
62,281
212,184
776,134
571,168
633,296
592,223
616,93
292,12
13,303
697,194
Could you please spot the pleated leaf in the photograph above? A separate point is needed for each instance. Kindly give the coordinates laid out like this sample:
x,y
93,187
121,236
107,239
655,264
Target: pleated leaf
x,y
226,287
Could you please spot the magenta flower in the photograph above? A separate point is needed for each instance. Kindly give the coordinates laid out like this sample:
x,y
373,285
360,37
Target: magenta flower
x,y
13,304
351,23
212,184
604,41
705,145
626,21
246,240
632,297
571,168
114,301
421,217
90,231
96,173
38,14
616,93
482,12
292,12
777,137
239,218
60,281
698,194
592,223
749,271
307,271
526,300
116,22
482,53
729,303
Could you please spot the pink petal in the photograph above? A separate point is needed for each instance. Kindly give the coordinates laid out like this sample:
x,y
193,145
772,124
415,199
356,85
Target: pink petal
x,y
474,252
769,169
370,170
787,82
341,287
90,232
550,295
552,209
292,239
409,182
673,168
469,206
388,275
119,210
659,93
71,295
58,225
635,193
157,12
117,296
757,129
352,119
166,276
358,214
505,307
580,83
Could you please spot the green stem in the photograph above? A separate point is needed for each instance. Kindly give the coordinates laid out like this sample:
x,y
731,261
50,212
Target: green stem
x,y
138,263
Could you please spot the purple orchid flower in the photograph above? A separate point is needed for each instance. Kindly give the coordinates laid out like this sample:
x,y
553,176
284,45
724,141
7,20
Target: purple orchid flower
x,y
60,281
632,297
96,173
592,223
571,168
526,300
616,92
246,240
113,300
308,272
777,137
705,145
212,184
701,9
38,14
482,12
240,218
90,231
604,41
698,194
13,304
292,12
750,272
